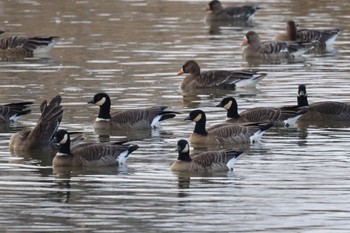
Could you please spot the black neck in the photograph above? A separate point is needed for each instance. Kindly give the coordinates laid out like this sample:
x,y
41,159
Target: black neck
x,y
199,128
233,113
65,148
105,110
184,156
302,101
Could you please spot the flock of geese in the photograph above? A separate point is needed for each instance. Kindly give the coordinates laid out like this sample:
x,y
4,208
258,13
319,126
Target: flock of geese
x,y
239,128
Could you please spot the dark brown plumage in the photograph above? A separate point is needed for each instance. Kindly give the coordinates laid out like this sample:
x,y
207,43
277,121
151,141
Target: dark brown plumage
x,y
220,13
322,111
40,137
90,154
283,116
143,118
208,161
11,112
216,78
224,133
255,49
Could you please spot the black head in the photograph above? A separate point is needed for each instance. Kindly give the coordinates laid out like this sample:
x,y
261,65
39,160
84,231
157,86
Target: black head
x,y
100,99
214,5
228,103
302,90
196,115
291,24
183,146
292,30
61,136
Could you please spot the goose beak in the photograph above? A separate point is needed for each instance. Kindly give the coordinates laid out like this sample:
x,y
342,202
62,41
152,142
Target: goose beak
x,y
207,8
187,118
54,140
218,105
244,41
91,102
180,72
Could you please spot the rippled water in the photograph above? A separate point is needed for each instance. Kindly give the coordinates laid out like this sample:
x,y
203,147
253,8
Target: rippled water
x,y
295,180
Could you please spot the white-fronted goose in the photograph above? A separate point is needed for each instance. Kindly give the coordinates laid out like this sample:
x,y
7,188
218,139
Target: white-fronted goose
x,y
216,78
224,133
11,112
283,116
220,13
325,37
18,45
40,138
208,161
255,49
322,111
146,118
90,154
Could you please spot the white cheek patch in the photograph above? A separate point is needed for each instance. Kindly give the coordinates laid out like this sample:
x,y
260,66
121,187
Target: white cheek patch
x,y
64,139
186,149
101,102
228,105
197,118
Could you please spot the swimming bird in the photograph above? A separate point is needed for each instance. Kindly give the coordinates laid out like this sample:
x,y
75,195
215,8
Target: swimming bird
x,y
322,111
40,138
142,118
216,78
325,37
224,133
283,116
11,112
90,154
255,49
20,45
220,13
208,161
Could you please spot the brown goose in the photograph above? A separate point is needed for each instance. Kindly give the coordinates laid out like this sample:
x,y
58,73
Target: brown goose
x,y
11,112
18,45
146,118
40,138
325,37
208,161
322,111
272,49
284,116
89,154
219,13
224,133
216,78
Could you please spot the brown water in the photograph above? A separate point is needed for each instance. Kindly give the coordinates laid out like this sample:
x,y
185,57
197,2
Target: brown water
x,y
294,180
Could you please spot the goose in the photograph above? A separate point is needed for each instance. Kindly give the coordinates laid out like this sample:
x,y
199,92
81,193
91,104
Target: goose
x,y
143,118
216,78
224,133
11,112
208,161
283,116
40,138
325,37
89,154
220,13
322,111
20,45
271,49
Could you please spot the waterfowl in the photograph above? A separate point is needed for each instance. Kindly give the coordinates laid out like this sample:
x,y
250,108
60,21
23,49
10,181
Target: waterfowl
x,y
40,138
216,78
283,116
220,13
208,161
322,111
325,37
11,112
89,154
224,133
20,45
146,118
255,49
